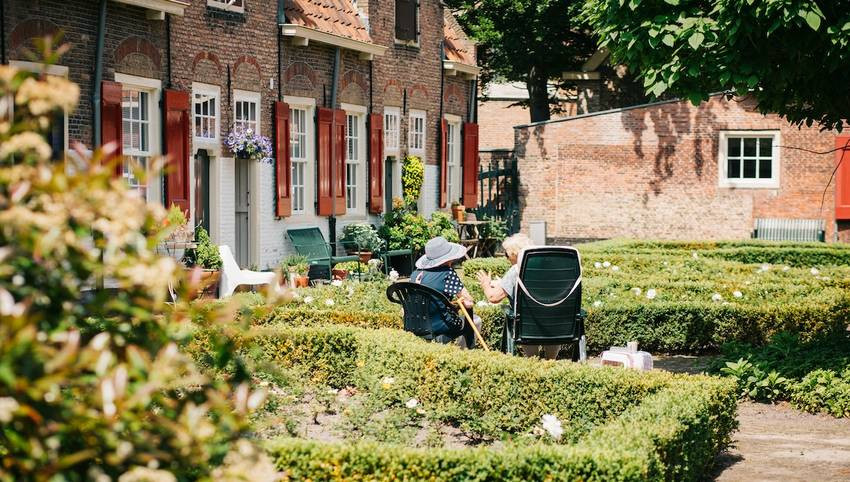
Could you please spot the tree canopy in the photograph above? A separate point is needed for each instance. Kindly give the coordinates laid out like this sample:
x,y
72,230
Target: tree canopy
x,y
791,56
531,41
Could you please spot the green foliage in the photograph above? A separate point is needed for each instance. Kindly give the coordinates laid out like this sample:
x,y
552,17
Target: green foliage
x,y
176,216
815,374
404,228
637,425
206,255
495,229
296,263
495,266
758,49
441,225
361,236
412,177
92,384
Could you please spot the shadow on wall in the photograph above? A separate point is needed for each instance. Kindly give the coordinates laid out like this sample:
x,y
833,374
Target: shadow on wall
x,y
670,123
522,138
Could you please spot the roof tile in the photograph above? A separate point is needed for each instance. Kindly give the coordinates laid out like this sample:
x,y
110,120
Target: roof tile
x,y
458,46
337,17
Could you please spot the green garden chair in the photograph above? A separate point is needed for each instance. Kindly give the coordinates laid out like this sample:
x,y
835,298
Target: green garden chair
x,y
546,301
385,254
309,242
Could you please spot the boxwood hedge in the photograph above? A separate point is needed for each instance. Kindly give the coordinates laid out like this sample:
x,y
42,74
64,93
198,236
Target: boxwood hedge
x,y
638,425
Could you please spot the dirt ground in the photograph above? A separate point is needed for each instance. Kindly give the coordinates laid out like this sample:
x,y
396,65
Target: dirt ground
x,y
777,442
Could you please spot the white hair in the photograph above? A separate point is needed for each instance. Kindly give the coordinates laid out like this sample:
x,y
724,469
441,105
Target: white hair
x,y
515,243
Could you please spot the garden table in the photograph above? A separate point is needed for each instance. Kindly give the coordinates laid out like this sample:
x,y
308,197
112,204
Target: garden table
x,y
469,235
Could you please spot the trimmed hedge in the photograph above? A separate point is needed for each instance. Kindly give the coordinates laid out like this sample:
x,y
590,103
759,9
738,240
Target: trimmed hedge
x,y
638,425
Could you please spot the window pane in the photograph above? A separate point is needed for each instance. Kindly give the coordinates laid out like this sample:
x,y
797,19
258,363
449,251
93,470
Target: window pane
x,y
733,147
212,106
143,102
734,169
766,147
765,168
749,146
143,136
749,167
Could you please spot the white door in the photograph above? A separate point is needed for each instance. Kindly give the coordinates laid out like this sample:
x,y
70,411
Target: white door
x,y
243,207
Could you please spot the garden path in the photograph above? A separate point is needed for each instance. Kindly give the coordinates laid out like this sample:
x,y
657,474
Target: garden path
x,y
777,442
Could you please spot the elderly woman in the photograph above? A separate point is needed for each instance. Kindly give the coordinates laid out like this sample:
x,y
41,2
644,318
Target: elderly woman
x,y
505,287
434,270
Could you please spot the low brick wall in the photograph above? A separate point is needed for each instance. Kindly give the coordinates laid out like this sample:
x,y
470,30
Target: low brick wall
x,y
652,172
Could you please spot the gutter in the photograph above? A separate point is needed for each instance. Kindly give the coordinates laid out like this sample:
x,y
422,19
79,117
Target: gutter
x,y
3,32
98,75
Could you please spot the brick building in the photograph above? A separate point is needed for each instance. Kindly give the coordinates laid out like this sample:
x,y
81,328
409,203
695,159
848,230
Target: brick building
x,y
670,170
345,90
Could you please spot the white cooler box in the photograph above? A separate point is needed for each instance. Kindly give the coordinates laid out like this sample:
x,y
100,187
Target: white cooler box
x,y
621,356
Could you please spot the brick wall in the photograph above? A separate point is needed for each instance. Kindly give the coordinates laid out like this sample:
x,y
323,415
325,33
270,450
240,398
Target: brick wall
x,y
651,172
132,43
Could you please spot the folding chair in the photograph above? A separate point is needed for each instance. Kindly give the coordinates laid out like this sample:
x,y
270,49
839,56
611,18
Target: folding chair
x,y
547,300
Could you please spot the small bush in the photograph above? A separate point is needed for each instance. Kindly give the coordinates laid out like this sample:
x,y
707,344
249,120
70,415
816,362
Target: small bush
x,y
823,391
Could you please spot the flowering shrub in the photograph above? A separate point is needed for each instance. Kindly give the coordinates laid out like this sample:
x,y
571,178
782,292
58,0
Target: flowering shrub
x,y
92,383
412,177
247,144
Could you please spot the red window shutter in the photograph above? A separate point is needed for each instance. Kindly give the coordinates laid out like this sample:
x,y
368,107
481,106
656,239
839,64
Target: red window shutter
x,y
110,123
842,178
444,162
283,161
470,165
340,153
376,163
176,106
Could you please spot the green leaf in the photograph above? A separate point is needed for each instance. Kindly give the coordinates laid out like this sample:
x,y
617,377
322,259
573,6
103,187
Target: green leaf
x,y
813,19
695,40
672,2
668,40
659,89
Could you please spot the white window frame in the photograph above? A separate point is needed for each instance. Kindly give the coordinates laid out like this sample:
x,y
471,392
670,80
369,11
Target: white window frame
x,y
722,165
153,87
308,105
454,177
415,150
207,142
358,204
248,96
37,67
392,138
226,5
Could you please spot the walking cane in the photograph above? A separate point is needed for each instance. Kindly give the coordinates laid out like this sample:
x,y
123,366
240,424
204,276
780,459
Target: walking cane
x,y
460,304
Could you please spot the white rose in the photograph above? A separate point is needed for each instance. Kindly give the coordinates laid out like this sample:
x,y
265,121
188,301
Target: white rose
x,y
716,297
8,406
606,264
737,294
615,268
597,304
412,403
597,264
329,302
308,300
337,283
815,271
553,426
650,294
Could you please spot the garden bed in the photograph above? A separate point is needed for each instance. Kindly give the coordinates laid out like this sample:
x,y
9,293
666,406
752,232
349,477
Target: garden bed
x,y
617,424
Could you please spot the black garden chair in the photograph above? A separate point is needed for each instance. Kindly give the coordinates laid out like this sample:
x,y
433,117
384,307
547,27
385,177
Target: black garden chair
x,y
421,305
547,301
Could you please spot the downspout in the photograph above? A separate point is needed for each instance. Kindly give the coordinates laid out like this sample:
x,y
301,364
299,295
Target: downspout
x,y
98,74
2,32
475,100
440,127
281,19
168,84
332,217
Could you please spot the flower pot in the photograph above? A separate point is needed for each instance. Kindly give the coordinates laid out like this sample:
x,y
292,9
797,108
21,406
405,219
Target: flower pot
x,y
339,274
365,256
207,285
459,213
301,281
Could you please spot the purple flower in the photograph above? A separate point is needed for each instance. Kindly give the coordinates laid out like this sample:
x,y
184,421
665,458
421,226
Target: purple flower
x,y
246,143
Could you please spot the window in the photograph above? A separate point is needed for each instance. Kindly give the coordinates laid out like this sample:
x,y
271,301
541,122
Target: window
x,y
453,177
416,141
205,100
57,136
391,130
298,155
749,159
407,21
229,5
353,140
135,126
246,110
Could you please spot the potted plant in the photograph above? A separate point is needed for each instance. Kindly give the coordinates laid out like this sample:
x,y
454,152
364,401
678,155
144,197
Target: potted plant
x,y
296,267
339,273
206,257
363,239
176,227
247,144
458,212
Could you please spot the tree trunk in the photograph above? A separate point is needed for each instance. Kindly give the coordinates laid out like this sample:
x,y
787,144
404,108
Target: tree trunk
x,y
538,95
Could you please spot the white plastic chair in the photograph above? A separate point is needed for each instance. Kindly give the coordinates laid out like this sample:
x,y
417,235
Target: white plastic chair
x,y
232,275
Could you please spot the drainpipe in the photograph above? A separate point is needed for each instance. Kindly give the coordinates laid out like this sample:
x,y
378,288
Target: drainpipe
x,y
2,32
281,19
440,125
168,84
98,74
475,100
332,217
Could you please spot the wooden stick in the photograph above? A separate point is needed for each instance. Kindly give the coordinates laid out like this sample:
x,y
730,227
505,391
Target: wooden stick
x,y
472,324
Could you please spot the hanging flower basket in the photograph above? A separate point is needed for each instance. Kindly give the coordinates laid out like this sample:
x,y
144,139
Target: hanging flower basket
x,y
247,144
